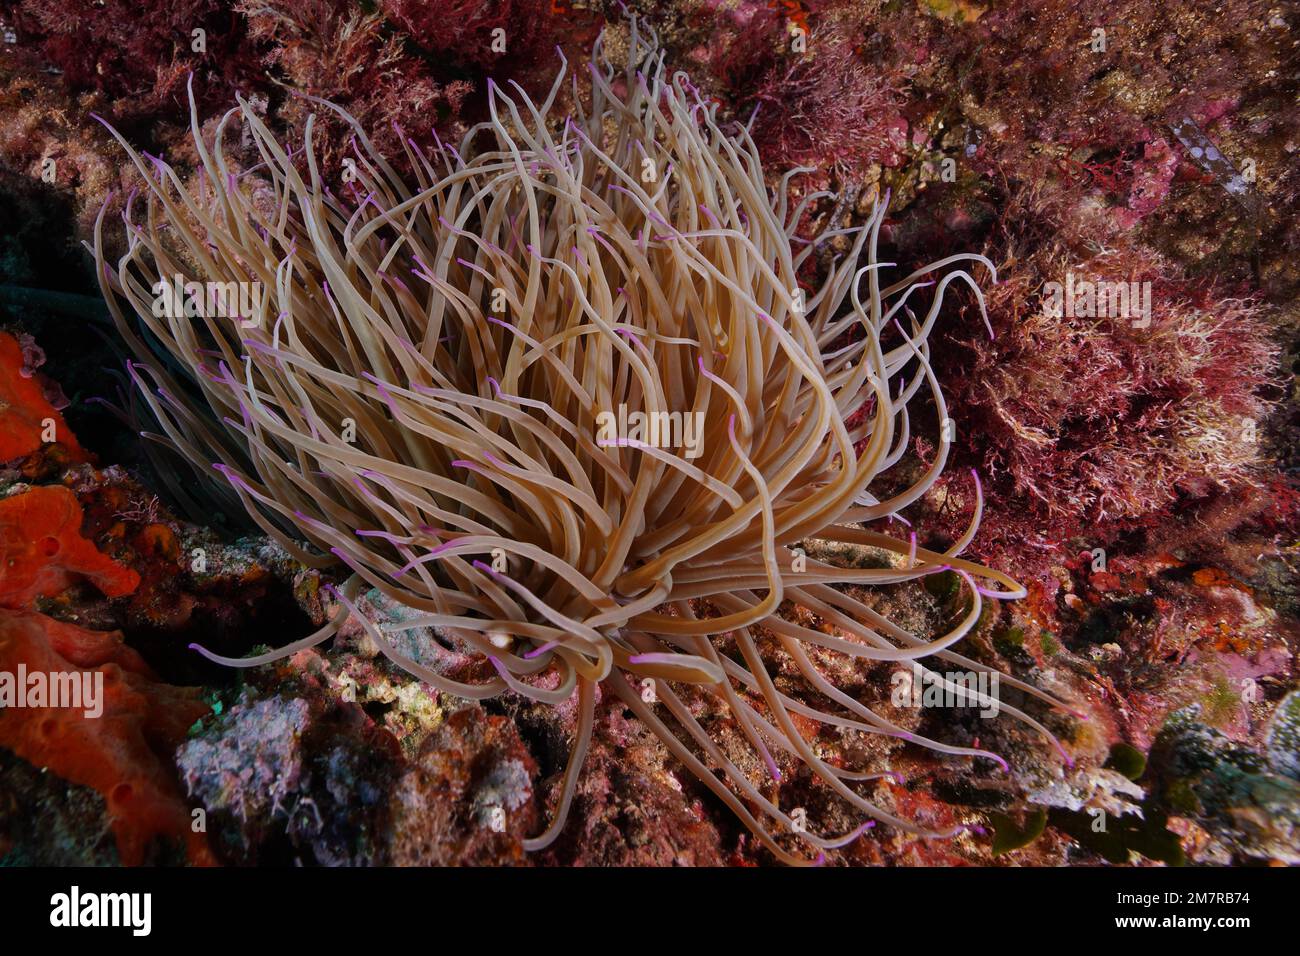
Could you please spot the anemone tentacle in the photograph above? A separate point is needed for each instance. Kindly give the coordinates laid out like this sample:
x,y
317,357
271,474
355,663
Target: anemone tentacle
x,y
422,392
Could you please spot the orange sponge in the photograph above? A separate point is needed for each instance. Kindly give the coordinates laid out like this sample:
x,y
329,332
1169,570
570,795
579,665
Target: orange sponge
x,y
119,752
41,549
24,409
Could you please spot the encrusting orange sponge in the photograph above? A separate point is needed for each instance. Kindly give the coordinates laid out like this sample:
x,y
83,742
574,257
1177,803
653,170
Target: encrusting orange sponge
x,y
118,752
41,549
24,409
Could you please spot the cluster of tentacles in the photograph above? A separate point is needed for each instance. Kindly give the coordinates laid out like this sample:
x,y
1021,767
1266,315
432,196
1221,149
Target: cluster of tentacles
x,y
417,396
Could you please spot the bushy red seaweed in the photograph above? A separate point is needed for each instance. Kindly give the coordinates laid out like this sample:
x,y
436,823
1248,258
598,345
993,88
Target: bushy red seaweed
x,y
1084,425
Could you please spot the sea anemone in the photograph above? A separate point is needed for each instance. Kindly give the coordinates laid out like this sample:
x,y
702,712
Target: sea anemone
x,y
431,387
